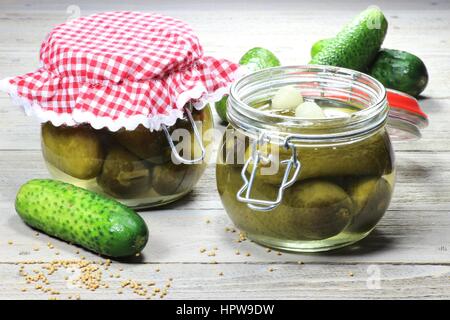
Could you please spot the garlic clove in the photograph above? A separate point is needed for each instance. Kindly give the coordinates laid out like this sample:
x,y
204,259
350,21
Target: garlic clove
x,y
309,110
286,98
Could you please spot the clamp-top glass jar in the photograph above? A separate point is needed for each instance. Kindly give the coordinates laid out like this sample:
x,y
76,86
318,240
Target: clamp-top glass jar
x,y
307,184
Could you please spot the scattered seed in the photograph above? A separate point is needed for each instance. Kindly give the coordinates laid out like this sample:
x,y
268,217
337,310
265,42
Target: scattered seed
x,y
242,236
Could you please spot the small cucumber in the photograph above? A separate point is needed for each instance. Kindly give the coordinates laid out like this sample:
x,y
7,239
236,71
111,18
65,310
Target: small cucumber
x,y
357,44
319,45
400,70
259,58
255,59
81,217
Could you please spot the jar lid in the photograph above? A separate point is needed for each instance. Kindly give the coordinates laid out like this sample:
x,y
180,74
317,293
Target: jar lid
x,y
406,118
120,69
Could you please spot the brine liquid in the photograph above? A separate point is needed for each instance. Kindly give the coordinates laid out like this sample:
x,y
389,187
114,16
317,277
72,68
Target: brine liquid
x,y
134,167
138,202
331,108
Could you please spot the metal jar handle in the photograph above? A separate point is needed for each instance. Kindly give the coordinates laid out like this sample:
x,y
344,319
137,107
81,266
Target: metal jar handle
x,y
197,138
243,195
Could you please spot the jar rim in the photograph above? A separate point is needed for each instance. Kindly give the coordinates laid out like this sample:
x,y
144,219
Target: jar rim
x,y
242,115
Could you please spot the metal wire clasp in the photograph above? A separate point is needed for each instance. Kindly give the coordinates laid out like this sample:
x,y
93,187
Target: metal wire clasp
x,y
243,195
197,138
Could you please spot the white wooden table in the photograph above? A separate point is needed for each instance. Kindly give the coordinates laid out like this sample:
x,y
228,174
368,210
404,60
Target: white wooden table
x,y
407,256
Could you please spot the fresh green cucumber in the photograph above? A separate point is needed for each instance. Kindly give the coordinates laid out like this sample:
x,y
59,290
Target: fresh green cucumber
x,y
395,69
319,45
357,44
81,217
259,58
255,59
400,70
221,108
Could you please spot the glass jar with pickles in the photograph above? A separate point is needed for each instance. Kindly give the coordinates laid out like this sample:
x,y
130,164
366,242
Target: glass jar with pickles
x,y
122,114
140,168
306,163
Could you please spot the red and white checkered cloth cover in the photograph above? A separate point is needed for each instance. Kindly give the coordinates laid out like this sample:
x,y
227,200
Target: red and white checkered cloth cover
x,y
120,69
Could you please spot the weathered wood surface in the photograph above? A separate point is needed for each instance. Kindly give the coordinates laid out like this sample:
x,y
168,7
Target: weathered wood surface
x,y
243,281
408,252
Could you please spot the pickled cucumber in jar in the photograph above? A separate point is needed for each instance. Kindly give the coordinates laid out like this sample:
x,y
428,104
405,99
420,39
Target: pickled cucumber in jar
x,y
229,183
369,156
123,174
186,142
371,197
313,209
170,178
76,151
145,144
320,209
234,146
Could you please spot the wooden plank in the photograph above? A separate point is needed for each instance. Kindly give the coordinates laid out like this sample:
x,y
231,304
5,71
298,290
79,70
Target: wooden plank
x,y
400,236
428,36
240,281
229,5
423,181
180,235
